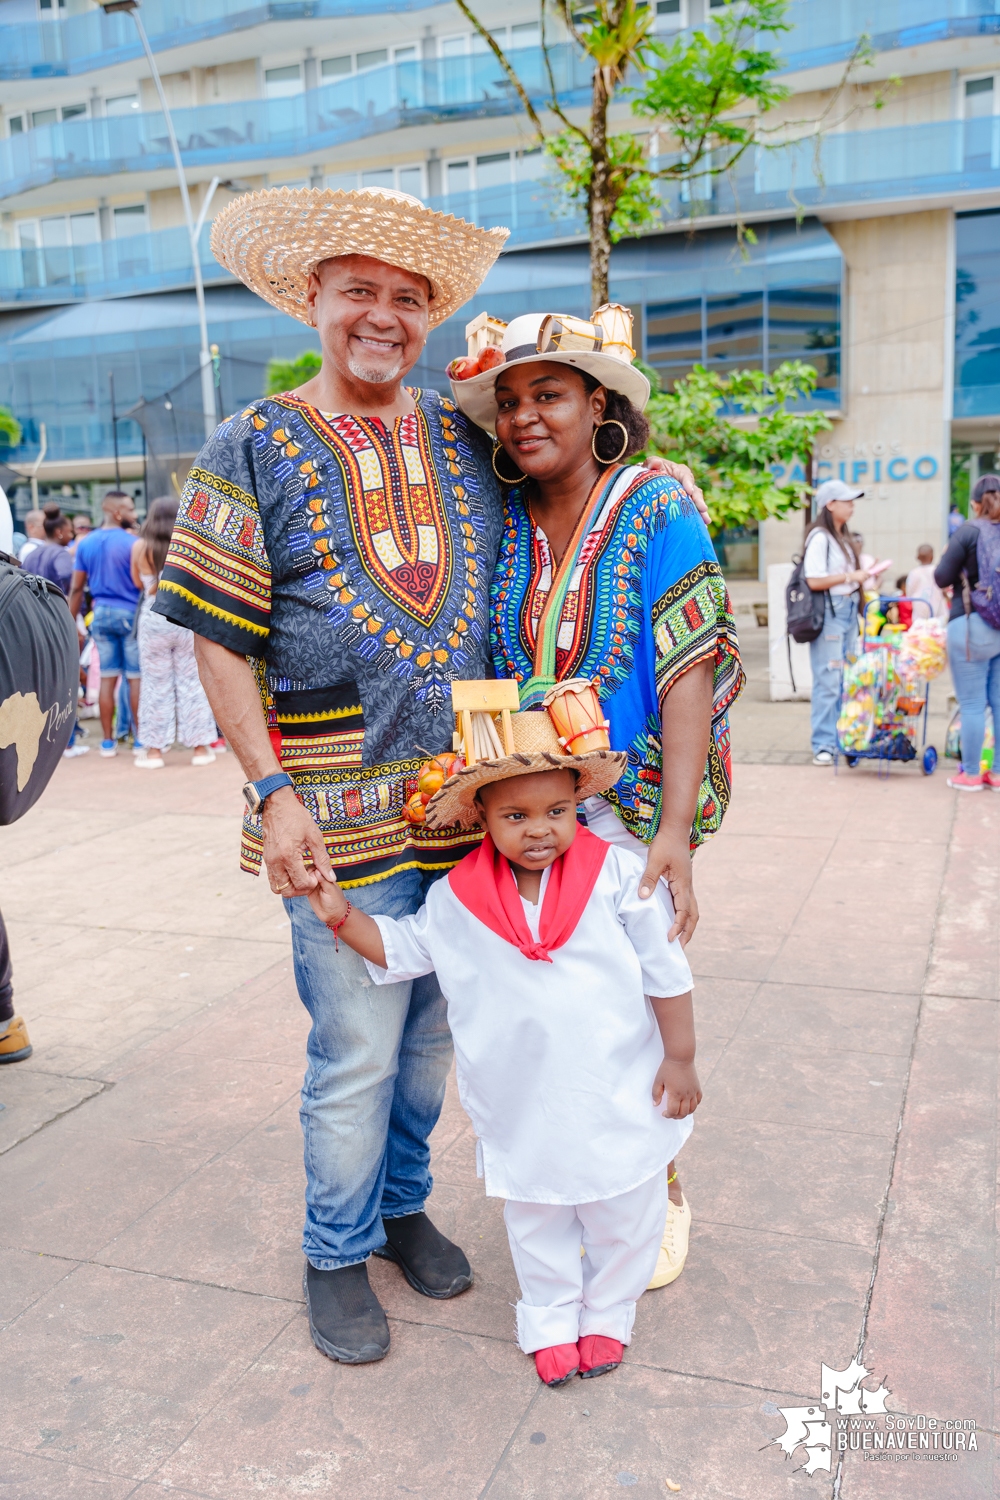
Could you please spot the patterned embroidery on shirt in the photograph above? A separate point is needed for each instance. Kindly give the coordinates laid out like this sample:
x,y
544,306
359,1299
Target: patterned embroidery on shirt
x,y
692,621
603,620
603,612
216,561
415,617
351,677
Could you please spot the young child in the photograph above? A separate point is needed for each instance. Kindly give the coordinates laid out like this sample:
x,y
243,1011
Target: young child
x,y
920,583
580,1088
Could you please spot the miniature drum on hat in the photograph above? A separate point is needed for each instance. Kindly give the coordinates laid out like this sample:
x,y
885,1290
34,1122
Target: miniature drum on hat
x,y
559,333
575,710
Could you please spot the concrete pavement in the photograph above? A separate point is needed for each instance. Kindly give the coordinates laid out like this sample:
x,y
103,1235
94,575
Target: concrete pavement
x,y
842,1171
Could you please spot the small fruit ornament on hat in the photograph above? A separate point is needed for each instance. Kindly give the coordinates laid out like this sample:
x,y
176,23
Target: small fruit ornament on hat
x,y
484,335
433,775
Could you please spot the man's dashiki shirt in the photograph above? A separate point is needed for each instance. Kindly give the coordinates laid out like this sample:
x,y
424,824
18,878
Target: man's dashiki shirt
x,y
351,562
645,602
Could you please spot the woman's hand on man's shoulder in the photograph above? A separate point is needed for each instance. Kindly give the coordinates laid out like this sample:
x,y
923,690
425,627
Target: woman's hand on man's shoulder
x,y
684,477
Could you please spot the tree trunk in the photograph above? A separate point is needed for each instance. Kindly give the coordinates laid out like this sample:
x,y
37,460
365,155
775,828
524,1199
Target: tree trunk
x,y
599,205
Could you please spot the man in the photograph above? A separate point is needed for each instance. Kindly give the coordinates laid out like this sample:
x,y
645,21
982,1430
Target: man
x,y
342,537
34,526
103,564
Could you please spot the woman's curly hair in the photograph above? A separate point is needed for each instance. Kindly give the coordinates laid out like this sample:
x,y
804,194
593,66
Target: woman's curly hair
x,y
608,441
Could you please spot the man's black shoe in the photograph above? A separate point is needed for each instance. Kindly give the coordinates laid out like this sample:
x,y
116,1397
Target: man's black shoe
x,y
431,1264
345,1316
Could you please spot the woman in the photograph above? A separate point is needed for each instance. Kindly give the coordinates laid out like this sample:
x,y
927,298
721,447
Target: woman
x,y
172,703
832,566
53,559
607,571
973,645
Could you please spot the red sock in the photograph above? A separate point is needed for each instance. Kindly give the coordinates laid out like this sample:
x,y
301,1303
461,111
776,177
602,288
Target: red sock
x,y
558,1364
598,1354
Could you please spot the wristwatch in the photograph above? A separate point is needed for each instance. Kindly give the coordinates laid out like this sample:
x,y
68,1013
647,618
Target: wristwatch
x,y
257,792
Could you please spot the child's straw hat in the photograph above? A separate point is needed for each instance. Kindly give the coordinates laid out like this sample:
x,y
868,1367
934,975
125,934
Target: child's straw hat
x,y
274,239
536,748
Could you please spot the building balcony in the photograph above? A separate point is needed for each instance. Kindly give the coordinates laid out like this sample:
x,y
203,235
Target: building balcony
x,y
84,43
944,161
53,274
364,104
825,31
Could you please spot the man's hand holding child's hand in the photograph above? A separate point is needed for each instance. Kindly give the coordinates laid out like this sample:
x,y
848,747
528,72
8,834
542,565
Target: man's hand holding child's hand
x,y
677,1084
328,900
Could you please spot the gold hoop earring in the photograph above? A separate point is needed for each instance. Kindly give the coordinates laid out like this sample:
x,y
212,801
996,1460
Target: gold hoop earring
x,y
504,478
610,422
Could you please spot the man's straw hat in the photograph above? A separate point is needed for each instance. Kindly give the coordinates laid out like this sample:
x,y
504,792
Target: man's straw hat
x,y
274,239
536,748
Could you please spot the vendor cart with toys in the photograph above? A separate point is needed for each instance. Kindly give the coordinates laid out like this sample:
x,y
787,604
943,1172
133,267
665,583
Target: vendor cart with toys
x,y
885,693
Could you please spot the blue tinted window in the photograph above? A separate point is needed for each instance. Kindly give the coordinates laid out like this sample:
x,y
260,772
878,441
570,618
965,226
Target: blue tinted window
x,y
977,315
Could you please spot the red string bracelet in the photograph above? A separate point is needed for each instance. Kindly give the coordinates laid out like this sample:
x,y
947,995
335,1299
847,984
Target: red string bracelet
x,y
336,926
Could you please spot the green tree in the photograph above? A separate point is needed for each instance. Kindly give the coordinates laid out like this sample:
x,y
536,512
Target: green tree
x,y
286,374
731,428
10,428
708,93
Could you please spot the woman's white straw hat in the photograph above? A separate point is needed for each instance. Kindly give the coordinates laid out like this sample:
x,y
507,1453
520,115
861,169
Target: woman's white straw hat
x,y
273,240
524,342
536,748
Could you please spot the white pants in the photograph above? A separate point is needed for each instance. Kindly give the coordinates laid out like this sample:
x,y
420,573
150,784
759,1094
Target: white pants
x,y
172,703
564,1295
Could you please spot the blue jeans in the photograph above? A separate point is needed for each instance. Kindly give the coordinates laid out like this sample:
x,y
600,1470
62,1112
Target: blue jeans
x,y
115,640
977,682
835,641
377,1060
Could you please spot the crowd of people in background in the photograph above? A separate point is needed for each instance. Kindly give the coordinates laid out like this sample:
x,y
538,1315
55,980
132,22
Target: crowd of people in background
x,y
149,685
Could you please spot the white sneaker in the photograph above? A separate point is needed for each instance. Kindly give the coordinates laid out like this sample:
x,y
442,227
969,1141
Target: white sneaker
x,y
823,758
203,760
146,762
673,1246
72,751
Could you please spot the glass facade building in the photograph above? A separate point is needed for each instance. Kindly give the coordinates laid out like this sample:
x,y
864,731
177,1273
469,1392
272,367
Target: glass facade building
x,y
696,300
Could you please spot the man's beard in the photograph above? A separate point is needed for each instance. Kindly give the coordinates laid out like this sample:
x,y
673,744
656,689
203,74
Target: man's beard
x,y
374,374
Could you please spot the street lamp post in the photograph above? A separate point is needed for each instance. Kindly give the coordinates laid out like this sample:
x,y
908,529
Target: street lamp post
x,y
207,371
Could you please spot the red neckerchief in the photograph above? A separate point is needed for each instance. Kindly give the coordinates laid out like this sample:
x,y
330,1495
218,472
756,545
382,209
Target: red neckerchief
x,y
484,883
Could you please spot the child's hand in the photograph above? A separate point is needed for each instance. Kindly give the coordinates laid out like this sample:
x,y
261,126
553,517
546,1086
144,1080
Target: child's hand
x,y
677,1084
328,901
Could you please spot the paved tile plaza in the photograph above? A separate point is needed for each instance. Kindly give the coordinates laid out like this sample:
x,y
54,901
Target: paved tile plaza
x,y
842,1171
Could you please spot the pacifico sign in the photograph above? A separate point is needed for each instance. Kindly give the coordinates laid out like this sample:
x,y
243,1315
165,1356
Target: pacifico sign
x,y
862,464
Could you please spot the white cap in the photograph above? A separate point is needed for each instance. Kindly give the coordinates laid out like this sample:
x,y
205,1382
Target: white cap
x,y
835,489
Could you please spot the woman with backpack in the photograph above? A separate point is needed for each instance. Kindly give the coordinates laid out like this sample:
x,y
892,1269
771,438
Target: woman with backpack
x,y
970,567
831,565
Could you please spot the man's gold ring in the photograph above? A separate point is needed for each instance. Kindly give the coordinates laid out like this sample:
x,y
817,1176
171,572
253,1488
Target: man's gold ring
x,y
278,888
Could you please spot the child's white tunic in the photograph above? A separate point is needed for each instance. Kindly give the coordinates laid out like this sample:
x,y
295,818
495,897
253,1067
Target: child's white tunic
x,y
555,1061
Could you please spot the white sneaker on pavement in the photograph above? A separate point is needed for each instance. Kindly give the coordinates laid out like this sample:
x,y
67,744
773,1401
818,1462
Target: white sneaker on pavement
x,y
823,758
